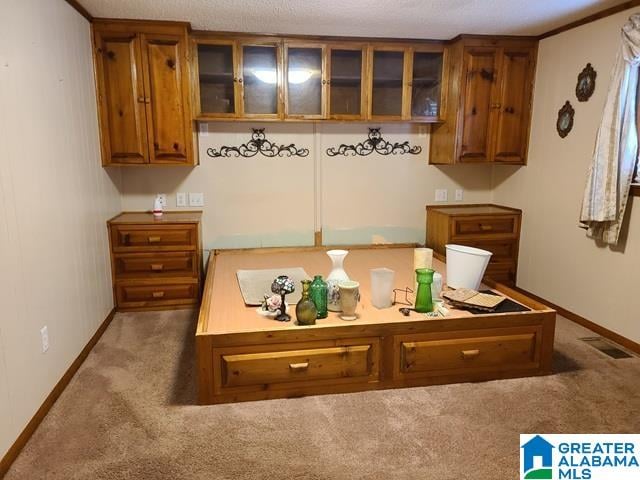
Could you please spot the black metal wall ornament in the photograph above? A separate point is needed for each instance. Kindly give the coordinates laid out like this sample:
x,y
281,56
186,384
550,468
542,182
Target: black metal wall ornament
x,y
375,143
564,124
586,83
258,145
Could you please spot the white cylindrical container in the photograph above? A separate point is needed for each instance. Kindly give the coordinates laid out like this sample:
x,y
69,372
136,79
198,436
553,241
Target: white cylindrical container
x,y
436,286
382,282
466,266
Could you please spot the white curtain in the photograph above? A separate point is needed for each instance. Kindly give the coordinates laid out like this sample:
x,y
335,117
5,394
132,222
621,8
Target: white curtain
x,y
616,151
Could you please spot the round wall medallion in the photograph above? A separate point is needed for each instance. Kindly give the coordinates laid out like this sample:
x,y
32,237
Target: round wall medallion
x,y
586,83
565,119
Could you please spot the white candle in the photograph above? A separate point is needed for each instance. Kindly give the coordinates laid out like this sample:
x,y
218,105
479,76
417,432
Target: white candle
x,y
422,258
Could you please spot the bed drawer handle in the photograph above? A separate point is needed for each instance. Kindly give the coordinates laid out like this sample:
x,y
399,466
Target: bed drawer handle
x,y
157,267
485,227
470,353
299,367
154,239
157,294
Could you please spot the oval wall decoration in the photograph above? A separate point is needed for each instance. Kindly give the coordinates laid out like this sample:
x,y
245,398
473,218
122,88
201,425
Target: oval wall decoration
x,y
564,123
586,83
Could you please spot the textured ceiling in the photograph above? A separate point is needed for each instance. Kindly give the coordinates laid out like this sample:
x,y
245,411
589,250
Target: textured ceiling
x,y
438,19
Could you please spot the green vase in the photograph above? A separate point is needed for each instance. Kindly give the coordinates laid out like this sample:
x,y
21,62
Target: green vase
x,y
424,302
306,311
318,294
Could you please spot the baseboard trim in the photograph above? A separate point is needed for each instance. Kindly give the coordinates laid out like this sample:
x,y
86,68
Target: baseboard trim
x,y
31,427
585,322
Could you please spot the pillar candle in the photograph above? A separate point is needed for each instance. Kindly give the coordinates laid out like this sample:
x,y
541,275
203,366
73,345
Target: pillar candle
x,y
422,258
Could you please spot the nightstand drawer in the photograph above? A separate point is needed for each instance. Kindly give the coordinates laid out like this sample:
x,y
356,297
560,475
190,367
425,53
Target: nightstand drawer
x,y
357,362
152,265
502,250
477,351
126,238
485,226
156,295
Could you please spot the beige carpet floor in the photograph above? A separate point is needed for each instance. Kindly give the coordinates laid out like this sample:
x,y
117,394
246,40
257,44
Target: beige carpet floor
x,y
129,413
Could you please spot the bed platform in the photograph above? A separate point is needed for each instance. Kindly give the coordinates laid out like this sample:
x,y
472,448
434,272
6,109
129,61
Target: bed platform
x,y
243,356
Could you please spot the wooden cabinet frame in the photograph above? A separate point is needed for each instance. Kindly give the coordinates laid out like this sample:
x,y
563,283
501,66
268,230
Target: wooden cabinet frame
x,y
364,91
443,82
323,79
406,75
128,111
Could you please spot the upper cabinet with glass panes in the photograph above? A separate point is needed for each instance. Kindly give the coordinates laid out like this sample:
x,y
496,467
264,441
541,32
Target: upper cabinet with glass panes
x,y
273,78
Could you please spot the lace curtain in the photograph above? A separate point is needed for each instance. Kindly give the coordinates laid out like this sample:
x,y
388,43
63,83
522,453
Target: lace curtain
x,y
616,152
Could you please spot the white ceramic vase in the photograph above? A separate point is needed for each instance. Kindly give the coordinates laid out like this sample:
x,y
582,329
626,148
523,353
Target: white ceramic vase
x,y
336,276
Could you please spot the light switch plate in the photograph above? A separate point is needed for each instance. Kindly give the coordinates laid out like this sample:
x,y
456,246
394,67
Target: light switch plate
x,y
459,194
181,199
441,195
196,199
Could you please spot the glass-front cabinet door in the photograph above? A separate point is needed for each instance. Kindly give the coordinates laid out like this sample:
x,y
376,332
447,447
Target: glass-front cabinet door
x,y
346,70
217,79
305,83
260,81
426,84
388,83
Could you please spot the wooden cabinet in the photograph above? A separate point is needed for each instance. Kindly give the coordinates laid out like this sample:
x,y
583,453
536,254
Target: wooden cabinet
x,y
156,263
490,227
248,78
143,84
489,86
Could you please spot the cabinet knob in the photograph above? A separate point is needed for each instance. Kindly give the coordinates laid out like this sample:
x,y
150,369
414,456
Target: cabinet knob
x,y
495,105
157,267
240,80
324,82
485,228
154,239
157,294
235,79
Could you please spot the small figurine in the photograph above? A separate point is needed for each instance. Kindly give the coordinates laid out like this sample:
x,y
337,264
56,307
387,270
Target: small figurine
x,y
283,285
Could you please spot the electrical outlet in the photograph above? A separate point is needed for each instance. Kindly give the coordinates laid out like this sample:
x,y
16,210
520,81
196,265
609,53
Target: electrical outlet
x,y
196,199
181,199
441,195
163,199
44,336
459,194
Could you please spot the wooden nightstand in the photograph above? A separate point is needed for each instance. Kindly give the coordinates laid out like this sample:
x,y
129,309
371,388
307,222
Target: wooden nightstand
x,y
156,264
491,227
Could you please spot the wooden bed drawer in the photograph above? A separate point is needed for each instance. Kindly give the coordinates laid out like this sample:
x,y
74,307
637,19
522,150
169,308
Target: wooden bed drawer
x,y
485,226
468,352
339,362
148,295
151,265
153,238
502,250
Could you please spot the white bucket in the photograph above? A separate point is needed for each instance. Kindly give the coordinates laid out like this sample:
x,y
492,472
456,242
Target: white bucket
x,y
466,266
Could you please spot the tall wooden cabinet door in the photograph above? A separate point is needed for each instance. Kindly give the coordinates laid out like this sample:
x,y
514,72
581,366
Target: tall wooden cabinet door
x,y
512,128
346,72
119,77
389,83
168,99
480,70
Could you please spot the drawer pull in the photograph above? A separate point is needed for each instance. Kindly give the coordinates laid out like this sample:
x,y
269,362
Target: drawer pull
x,y
299,367
486,228
470,353
154,239
157,267
157,294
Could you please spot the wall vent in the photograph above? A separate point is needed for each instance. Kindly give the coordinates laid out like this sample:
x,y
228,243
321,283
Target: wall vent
x,y
606,347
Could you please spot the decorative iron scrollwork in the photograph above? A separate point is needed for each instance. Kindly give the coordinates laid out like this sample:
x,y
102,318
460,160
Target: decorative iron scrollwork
x,y
375,143
258,144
